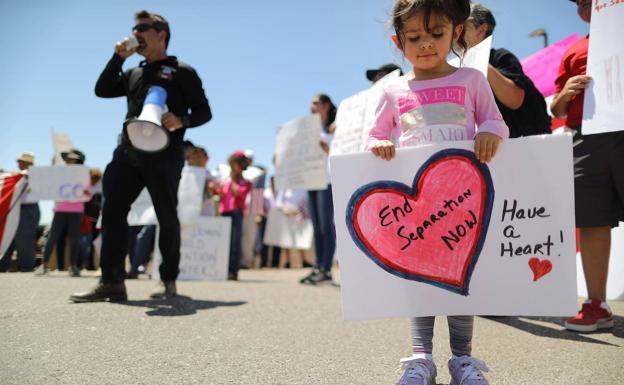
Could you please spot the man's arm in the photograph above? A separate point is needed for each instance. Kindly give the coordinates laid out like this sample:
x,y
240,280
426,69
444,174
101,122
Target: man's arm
x,y
507,79
196,101
110,84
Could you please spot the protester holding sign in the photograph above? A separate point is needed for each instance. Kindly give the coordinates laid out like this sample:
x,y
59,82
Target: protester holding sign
x,y
598,182
320,201
233,192
25,238
519,101
433,103
67,217
131,169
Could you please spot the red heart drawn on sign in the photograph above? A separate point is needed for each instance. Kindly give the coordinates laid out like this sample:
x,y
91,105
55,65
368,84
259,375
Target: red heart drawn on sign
x,y
539,267
432,231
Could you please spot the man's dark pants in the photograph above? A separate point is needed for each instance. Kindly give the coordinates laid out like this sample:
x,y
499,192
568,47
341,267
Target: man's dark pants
x,y
124,178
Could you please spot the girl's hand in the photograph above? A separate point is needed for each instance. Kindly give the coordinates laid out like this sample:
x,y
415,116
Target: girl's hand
x,y
384,149
486,145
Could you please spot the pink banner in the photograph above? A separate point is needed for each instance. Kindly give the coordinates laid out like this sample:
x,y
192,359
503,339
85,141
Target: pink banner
x,y
542,66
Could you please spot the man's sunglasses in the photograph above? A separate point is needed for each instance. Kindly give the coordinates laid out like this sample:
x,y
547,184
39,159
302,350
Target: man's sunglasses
x,y
143,27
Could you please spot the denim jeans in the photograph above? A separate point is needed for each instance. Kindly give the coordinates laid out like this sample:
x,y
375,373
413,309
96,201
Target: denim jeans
x,y
143,247
322,216
236,237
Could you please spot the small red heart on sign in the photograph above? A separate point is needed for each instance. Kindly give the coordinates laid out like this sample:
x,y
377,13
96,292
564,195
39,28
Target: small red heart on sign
x,y
539,267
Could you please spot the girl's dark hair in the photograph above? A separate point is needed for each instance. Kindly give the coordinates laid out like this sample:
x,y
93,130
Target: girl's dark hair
x,y
480,15
241,160
331,114
455,11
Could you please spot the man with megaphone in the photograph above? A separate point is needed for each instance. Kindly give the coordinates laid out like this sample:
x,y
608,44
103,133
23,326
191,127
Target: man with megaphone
x,y
160,92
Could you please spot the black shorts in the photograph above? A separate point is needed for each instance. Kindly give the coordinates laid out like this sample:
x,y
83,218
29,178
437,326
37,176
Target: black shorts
x,y
599,179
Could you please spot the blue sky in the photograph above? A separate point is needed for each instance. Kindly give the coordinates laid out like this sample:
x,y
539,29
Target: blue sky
x,y
260,61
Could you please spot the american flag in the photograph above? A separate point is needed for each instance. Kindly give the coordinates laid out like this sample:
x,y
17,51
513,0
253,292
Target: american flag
x,y
256,203
12,188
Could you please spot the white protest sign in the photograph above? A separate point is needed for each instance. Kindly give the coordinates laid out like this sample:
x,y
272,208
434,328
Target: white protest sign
x,y
300,163
190,195
204,250
142,211
615,281
436,232
603,109
355,113
58,183
477,57
288,231
61,142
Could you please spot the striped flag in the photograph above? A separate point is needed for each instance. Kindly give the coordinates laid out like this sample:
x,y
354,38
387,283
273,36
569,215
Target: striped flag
x,y
12,187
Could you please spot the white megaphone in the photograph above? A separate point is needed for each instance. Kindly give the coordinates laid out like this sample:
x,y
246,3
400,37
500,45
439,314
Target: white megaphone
x,y
146,132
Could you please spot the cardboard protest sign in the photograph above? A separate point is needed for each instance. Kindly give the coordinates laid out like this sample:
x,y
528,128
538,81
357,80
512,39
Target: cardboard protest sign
x,y
300,163
58,183
477,57
436,232
204,250
603,109
355,113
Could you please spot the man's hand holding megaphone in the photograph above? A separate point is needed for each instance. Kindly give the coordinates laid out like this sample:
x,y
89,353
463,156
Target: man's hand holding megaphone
x,y
171,122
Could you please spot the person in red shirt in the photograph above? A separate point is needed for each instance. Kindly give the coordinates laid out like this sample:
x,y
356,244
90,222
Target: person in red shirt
x,y
233,192
598,182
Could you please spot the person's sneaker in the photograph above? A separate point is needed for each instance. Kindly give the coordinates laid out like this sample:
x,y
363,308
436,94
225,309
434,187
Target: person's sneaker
x,y
321,278
418,371
74,271
41,270
164,290
466,370
112,292
310,277
595,314
232,276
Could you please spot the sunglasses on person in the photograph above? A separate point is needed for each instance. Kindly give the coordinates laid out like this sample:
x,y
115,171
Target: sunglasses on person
x,y
143,27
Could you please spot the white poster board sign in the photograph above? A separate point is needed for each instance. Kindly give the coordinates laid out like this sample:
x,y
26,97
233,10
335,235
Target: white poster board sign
x,y
477,57
288,231
58,183
615,281
300,163
436,232
355,113
204,250
603,109
142,211
190,195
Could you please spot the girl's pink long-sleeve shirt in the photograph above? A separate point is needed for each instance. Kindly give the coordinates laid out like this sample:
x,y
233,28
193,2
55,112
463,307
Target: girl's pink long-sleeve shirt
x,y
454,107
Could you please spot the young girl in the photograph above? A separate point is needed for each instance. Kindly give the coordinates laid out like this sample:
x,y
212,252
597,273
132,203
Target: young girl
x,y
436,102
233,193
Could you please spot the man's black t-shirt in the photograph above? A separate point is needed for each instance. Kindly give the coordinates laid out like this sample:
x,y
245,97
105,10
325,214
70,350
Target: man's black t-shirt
x,y
185,94
531,118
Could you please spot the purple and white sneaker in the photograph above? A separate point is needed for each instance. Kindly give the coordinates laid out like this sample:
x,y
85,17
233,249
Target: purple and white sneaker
x,y
466,370
419,371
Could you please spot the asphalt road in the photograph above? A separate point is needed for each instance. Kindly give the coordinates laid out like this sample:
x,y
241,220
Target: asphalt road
x,y
264,329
